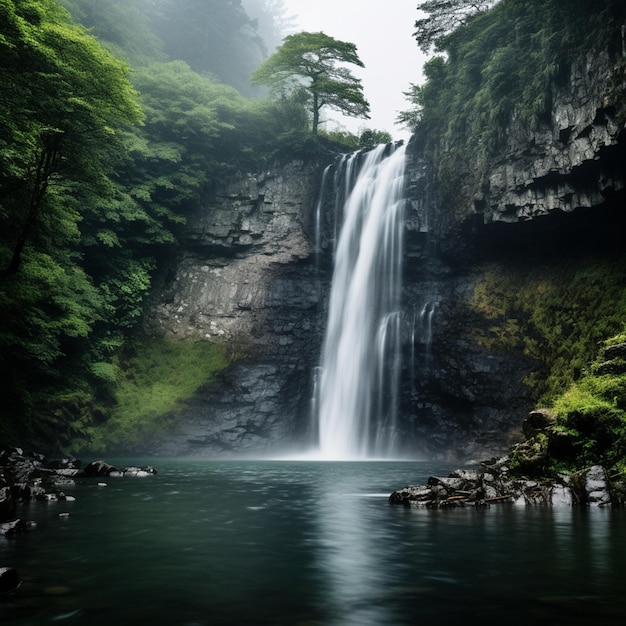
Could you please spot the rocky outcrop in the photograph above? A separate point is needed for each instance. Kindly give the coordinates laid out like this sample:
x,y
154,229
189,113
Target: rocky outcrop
x,y
553,190
573,160
250,273
246,276
228,279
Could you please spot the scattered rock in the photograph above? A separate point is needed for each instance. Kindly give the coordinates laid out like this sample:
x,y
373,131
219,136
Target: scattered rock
x,y
494,485
497,483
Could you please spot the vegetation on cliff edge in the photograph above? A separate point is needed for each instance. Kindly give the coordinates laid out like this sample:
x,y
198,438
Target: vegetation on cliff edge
x,y
500,67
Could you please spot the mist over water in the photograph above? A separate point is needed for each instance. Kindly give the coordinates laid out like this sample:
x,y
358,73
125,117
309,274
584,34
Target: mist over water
x,y
357,383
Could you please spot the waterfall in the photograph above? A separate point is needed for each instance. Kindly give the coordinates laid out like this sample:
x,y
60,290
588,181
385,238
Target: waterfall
x,y
360,363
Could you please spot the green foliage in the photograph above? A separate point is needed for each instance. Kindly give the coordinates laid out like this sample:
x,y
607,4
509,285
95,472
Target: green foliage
x,y
96,180
124,27
313,66
153,380
65,101
214,37
591,420
370,138
556,315
64,106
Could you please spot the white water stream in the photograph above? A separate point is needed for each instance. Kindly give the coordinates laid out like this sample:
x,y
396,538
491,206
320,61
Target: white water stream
x,y
360,365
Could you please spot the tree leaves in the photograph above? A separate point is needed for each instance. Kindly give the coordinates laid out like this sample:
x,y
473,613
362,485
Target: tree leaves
x,y
310,63
444,16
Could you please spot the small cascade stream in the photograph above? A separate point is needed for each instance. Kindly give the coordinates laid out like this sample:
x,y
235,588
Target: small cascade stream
x,y
357,386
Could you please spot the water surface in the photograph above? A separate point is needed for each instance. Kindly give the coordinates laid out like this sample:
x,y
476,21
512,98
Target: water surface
x,y
304,543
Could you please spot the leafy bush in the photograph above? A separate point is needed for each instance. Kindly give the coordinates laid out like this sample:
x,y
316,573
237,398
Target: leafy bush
x,y
591,419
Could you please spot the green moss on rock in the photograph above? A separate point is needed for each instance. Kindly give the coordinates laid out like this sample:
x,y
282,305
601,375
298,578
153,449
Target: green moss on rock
x,y
557,314
153,381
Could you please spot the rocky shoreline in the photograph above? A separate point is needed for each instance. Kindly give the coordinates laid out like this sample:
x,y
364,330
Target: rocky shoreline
x,y
493,484
25,477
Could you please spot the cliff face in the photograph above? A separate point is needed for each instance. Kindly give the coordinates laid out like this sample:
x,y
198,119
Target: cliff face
x,y
573,160
551,193
245,277
248,274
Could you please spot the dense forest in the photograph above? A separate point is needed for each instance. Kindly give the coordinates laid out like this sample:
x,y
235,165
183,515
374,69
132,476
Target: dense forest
x,y
117,118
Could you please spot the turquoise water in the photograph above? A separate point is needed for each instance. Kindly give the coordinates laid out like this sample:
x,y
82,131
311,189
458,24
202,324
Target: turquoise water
x,y
306,544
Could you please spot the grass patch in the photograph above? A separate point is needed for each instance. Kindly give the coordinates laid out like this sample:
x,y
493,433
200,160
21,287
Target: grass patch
x,y
153,381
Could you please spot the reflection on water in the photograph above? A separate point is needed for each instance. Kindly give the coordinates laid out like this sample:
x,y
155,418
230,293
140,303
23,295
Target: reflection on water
x,y
308,544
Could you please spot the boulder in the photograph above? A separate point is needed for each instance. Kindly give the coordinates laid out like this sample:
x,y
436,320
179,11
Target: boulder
x,y
139,471
9,580
100,468
538,421
596,486
15,527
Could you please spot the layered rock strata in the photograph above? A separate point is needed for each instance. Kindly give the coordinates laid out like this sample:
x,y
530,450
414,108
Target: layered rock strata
x,y
246,277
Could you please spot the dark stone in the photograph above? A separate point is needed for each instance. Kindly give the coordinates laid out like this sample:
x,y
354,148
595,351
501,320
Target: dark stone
x,y
618,351
146,470
21,469
7,504
9,580
99,468
613,366
14,527
538,421
69,463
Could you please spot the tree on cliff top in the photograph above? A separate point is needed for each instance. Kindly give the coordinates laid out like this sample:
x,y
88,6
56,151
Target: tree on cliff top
x,y
309,66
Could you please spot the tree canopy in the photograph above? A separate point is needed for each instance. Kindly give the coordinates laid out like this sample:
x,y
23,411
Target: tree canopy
x,y
312,67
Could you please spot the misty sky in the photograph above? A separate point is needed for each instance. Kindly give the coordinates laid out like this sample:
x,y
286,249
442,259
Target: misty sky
x,y
382,31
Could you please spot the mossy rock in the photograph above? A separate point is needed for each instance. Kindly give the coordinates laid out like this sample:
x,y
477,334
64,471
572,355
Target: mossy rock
x,y
616,351
530,458
613,367
538,421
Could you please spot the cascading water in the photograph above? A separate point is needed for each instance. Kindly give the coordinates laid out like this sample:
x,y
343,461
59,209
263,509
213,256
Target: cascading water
x,y
358,379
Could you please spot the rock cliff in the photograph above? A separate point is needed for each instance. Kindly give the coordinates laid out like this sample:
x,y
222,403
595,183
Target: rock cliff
x,y
245,277
553,191
572,160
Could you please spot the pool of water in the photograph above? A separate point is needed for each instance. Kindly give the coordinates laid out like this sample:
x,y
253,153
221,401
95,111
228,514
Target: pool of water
x,y
304,543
